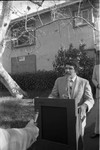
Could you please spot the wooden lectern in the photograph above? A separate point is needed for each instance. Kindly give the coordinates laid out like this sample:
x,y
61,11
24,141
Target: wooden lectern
x,y
57,124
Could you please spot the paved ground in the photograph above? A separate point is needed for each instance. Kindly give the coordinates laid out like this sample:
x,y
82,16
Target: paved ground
x,y
91,144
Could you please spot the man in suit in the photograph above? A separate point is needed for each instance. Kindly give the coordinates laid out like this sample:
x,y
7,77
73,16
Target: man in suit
x,y
74,87
96,82
18,138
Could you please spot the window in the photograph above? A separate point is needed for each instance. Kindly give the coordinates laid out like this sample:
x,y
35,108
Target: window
x,y
23,33
56,14
81,17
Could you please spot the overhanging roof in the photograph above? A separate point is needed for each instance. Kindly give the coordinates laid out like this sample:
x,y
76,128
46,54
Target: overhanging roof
x,y
72,2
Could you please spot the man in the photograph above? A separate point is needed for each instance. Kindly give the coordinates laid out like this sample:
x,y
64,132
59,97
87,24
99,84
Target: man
x,y
96,82
18,139
74,87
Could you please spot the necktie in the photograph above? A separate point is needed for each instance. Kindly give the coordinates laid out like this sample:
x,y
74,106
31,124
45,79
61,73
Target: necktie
x,y
69,88
71,84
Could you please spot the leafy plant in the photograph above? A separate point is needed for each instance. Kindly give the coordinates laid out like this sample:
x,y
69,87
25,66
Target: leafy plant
x,y
63,56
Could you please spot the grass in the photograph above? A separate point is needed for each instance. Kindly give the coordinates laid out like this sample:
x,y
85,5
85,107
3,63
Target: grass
x,y
15,113
31,94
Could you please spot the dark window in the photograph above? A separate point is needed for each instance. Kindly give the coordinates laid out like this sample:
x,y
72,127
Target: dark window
x,y
23,33
81,17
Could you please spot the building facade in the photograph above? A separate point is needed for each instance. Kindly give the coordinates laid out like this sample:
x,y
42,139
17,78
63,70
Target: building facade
x,y
35,40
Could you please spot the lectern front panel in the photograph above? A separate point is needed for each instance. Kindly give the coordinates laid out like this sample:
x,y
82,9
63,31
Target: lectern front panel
x,y
56,122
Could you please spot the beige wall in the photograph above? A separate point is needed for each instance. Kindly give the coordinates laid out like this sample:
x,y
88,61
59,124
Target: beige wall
x,y
52,41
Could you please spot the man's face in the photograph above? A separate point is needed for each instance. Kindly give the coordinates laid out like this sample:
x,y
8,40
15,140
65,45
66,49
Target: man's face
x,y
69,70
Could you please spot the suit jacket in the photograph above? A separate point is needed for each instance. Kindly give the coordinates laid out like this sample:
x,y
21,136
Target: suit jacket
x,y
96,79
18,139
81,91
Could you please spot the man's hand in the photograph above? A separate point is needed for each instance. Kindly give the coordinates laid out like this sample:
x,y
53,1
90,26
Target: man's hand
x,y
83,109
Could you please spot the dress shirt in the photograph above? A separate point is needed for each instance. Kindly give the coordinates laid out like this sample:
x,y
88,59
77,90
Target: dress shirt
x,y
73,79
70,82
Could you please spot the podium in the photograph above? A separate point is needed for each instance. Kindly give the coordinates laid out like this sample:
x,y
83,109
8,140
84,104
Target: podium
x,y
57,124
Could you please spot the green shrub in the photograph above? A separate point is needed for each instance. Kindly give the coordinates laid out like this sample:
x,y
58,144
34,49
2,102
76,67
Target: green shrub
x,y
41,80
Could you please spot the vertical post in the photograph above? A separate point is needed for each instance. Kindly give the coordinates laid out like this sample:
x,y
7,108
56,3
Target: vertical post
x,y
96,14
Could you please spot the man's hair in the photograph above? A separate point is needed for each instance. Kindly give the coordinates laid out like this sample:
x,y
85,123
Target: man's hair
x,y
73,63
